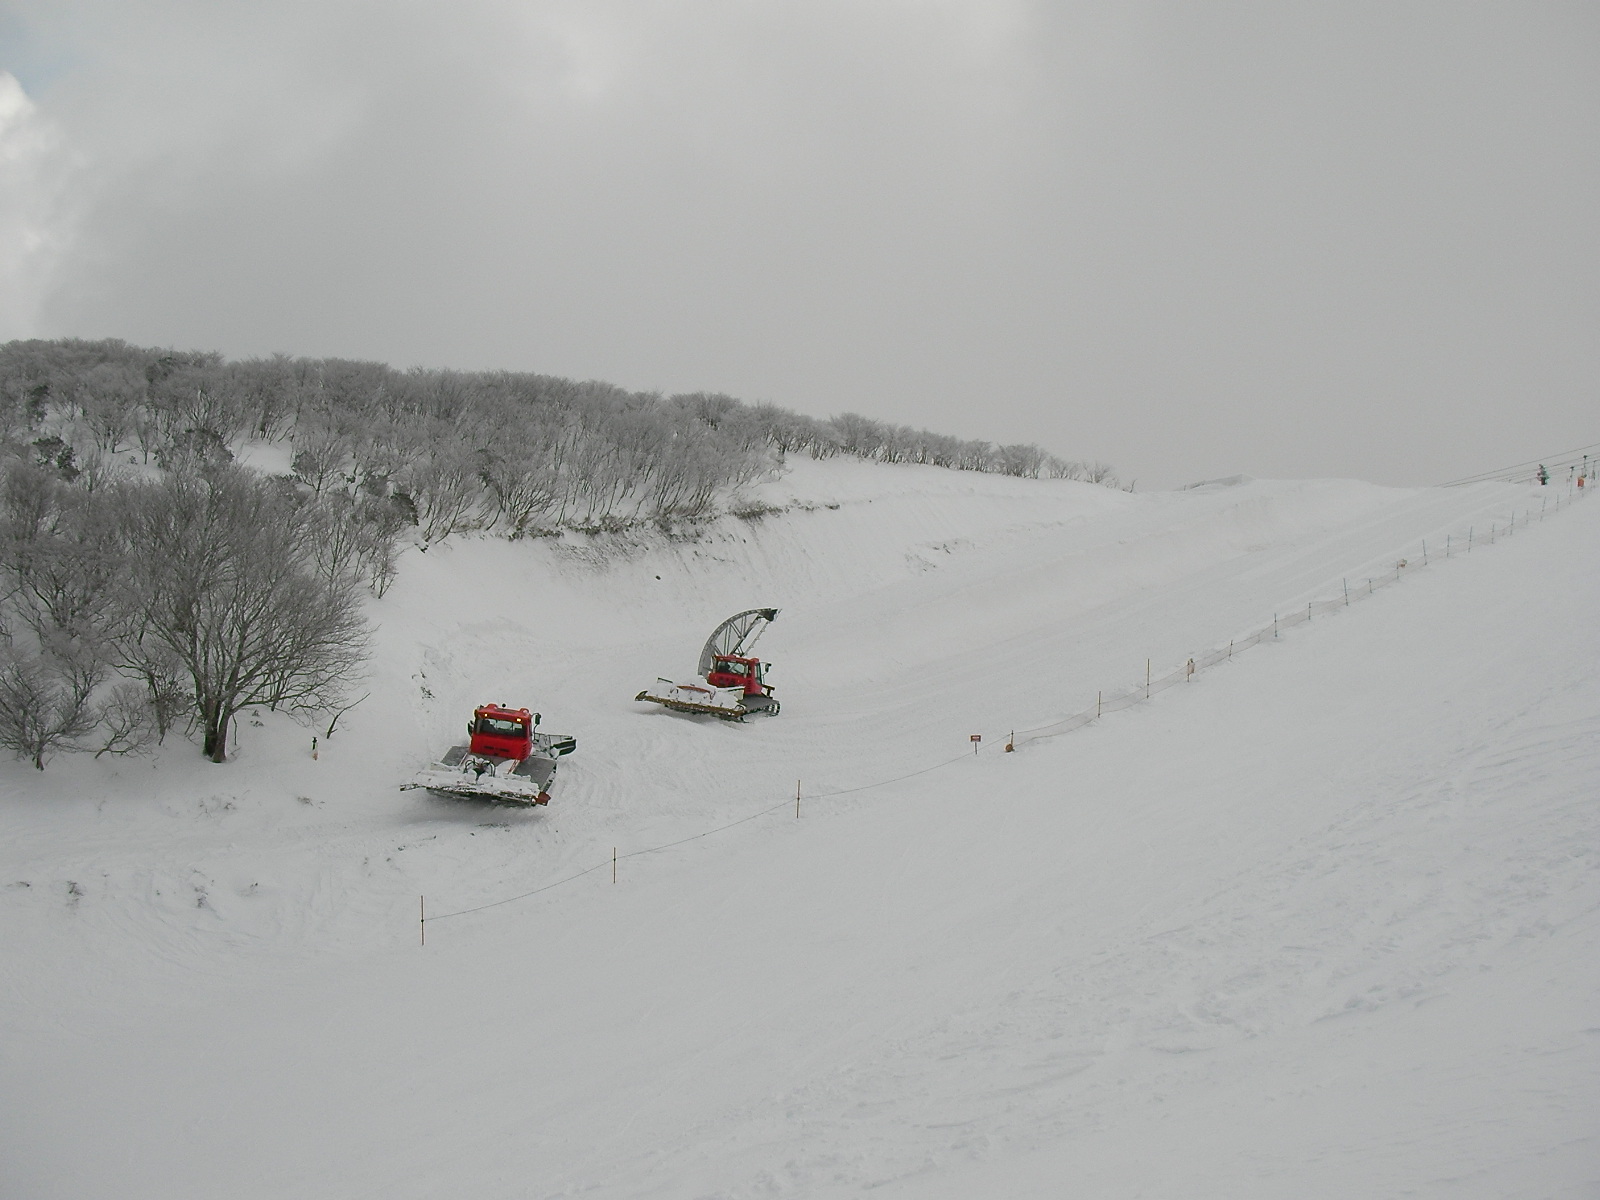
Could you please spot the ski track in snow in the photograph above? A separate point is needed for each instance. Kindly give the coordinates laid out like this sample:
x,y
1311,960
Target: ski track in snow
x,y
1323,923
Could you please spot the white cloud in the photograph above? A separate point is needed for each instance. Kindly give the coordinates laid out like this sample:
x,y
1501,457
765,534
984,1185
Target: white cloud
x,y
32,216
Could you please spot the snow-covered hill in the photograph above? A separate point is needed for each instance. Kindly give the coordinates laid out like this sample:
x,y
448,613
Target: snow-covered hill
x,y
1321,923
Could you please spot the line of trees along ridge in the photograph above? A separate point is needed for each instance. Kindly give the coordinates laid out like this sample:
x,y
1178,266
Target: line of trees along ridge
x,y
147,583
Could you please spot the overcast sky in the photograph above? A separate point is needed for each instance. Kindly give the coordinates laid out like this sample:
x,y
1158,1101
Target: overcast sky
x,y
1191,239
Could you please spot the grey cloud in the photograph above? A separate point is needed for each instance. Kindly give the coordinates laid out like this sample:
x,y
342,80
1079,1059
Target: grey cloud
x,y
1191,240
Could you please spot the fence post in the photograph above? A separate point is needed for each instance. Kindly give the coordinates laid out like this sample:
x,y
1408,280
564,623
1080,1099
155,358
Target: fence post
x,y
1424,551
1147,679
613,864
1097,696
422,917
1469,539
796,799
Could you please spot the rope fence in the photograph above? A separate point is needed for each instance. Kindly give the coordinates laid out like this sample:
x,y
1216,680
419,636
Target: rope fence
x,y
1124,698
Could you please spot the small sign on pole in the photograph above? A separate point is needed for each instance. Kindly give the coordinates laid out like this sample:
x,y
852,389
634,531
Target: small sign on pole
x,y
975,739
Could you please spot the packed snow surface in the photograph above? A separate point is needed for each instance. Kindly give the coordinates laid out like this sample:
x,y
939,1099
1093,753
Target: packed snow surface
x,y
1320,923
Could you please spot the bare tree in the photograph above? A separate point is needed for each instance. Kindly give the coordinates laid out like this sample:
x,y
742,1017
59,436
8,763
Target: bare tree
x,y
168,700
523,483
45,696
60,577
353,540
321,454
858,435
447,491
1022,459
108,397
60,566
228,588
128,721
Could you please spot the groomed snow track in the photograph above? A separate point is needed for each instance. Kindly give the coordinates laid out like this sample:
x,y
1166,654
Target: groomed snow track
x,y
1300,928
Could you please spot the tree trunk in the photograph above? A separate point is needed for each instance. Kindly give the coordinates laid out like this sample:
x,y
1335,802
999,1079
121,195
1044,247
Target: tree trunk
x,y
216,743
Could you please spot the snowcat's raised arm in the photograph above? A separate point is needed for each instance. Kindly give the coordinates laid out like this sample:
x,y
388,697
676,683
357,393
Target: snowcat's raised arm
x,y
736,636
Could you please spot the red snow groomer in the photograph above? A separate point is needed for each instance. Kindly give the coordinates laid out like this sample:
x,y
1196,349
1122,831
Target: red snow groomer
x,y
505,759
730,685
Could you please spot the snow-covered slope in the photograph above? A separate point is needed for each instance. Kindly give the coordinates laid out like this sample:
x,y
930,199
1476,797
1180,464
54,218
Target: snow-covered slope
x,y
1322,923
